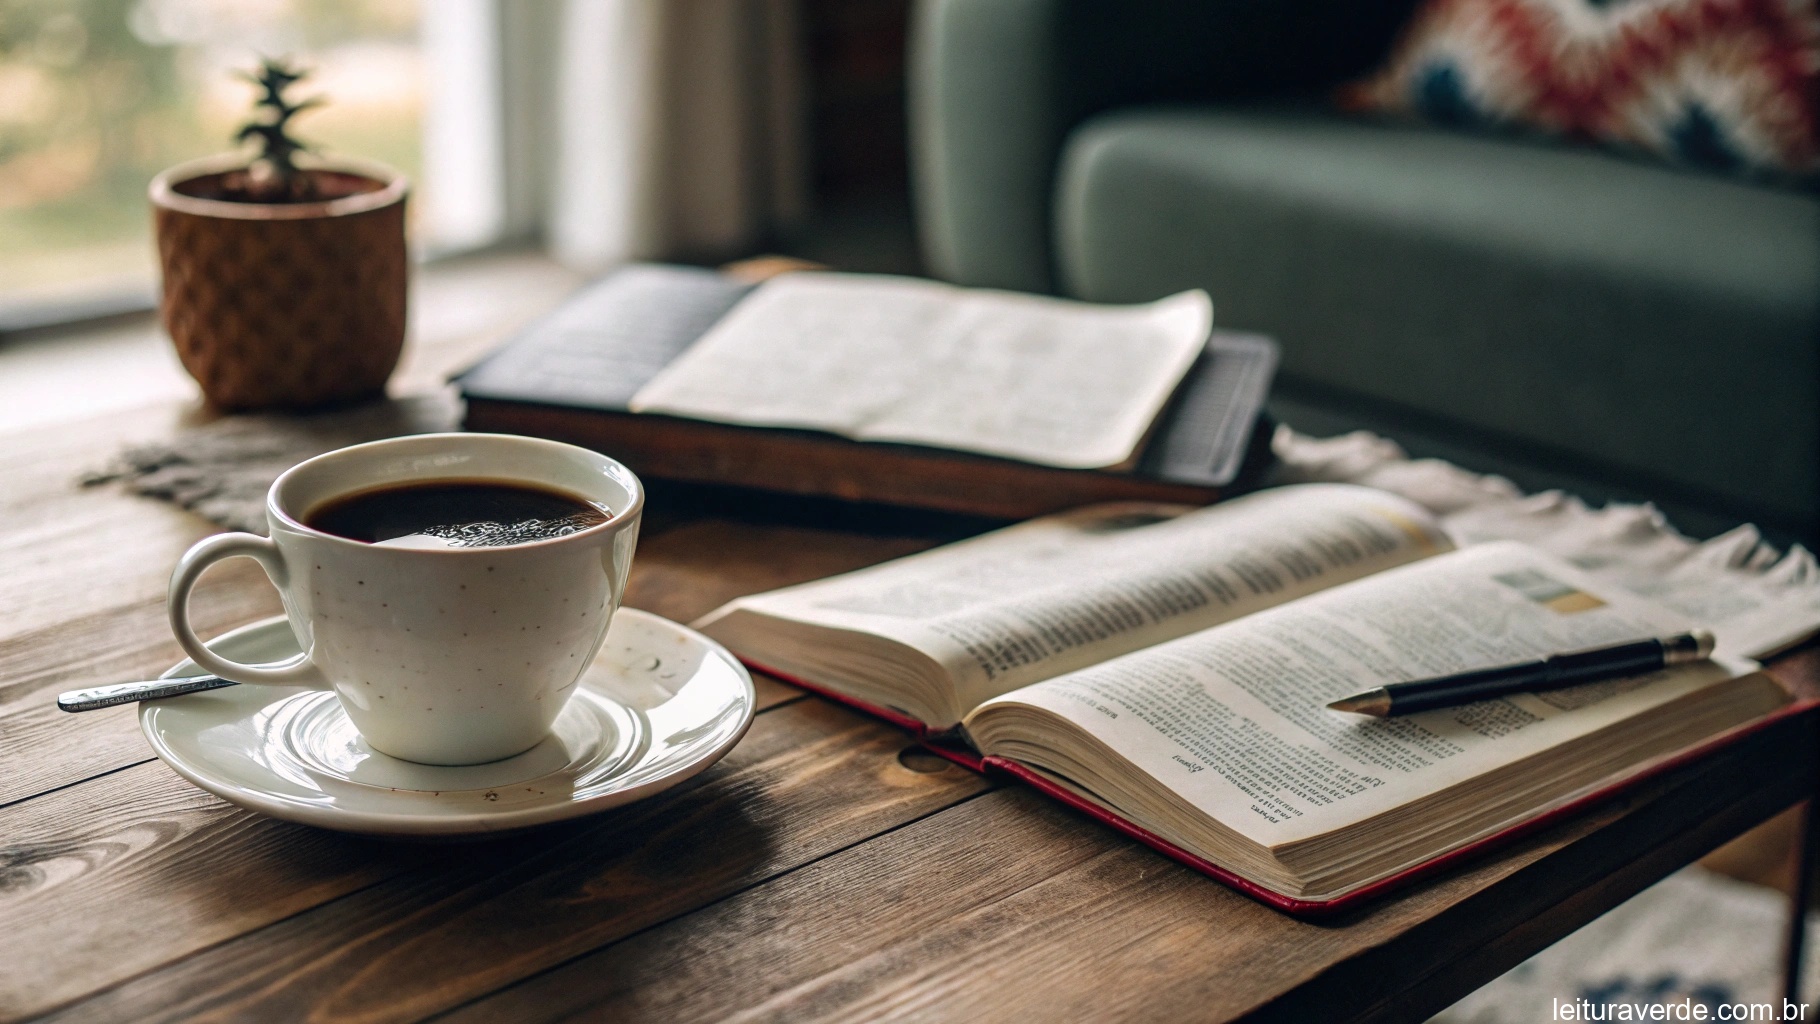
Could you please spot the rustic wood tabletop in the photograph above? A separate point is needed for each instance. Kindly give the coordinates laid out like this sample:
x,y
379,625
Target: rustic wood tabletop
x,y
824,869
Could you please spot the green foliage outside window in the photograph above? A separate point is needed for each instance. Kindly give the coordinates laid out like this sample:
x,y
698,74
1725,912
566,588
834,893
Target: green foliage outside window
x,y
97,96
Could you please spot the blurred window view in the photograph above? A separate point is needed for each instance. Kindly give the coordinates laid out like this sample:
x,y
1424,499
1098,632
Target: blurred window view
x,y
97,96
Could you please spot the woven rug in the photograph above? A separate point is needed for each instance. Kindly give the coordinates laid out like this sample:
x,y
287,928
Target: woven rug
x,y
221,470
1695,936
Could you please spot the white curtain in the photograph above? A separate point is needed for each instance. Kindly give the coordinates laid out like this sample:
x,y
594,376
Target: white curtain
x,y
465,202
614,129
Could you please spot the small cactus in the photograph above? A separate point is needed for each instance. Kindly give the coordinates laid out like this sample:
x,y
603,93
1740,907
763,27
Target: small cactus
x,y
274,174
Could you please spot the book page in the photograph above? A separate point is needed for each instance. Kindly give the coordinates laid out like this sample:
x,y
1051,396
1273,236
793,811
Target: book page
x,y
877,358
1233,719
1056,593
1757,601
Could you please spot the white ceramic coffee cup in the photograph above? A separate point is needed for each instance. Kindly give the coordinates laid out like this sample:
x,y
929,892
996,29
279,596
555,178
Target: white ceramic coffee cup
x,y
438,655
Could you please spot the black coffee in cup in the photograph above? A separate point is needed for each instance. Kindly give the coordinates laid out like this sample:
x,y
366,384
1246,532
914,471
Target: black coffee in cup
x,y
458,513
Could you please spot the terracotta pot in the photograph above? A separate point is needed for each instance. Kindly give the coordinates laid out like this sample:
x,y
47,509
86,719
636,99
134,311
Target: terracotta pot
x,y
284,305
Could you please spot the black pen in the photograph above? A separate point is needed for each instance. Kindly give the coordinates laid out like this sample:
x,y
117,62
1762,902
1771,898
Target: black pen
x,y
1551,673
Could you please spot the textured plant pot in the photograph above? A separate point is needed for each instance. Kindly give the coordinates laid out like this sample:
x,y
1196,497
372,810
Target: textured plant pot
x,y
284,305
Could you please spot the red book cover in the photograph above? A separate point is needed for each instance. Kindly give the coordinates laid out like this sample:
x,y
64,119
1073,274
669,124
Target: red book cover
x,y
954,750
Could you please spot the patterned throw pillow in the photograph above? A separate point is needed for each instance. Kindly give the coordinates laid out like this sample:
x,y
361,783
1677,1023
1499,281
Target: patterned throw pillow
x,y
1723,84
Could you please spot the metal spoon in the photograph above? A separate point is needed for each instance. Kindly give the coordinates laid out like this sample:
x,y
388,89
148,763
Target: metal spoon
x,y
97,697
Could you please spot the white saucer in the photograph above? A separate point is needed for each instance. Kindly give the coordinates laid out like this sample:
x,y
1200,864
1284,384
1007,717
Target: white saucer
x,y
659,704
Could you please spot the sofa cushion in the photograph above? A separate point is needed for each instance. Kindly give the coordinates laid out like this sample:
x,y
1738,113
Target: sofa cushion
x,y
1713,83
1657,322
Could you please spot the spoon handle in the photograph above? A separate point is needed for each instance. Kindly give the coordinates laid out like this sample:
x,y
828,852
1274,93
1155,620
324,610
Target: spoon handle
x,y
96,697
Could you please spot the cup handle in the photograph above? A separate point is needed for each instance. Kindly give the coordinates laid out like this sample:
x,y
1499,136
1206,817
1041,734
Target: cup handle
x,y
297,671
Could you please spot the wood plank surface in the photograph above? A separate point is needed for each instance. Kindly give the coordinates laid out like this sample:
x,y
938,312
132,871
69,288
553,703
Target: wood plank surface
x,y
768,952
1007,907
47,748
810,779
106,880
823,870
1011,908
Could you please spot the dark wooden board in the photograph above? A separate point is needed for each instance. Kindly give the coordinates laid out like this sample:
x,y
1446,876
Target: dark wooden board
x,y
1010,908
461,921
813,874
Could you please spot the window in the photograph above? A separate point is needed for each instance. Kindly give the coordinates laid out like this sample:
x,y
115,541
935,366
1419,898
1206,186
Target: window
x,y
97,96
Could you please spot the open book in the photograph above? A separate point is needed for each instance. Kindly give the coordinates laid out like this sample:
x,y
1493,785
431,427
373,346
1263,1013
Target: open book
x,y
1171,669
985,370
1049,381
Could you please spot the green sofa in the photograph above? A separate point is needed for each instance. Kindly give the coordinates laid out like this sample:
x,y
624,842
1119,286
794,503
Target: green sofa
x,y
1549,305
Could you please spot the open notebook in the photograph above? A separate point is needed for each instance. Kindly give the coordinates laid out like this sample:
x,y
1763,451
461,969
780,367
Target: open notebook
x,y
1169,668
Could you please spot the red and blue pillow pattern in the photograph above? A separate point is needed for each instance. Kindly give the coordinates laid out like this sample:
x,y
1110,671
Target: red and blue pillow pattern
x,y
1730,85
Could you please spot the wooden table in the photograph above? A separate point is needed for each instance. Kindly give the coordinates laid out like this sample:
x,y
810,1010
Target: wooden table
x,y
825,869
